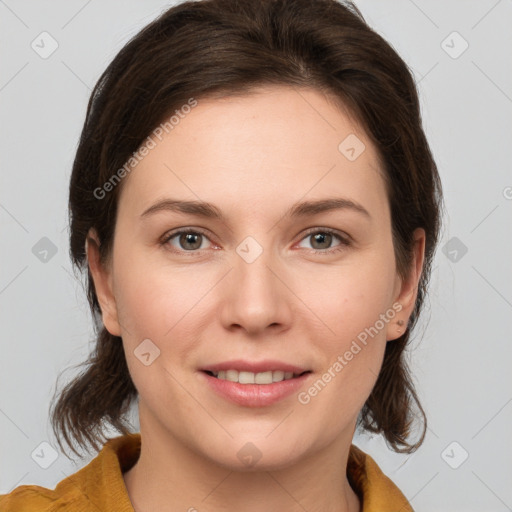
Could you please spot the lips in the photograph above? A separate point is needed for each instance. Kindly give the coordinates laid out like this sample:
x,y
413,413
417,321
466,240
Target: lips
x,y
255,383
255,367
255,394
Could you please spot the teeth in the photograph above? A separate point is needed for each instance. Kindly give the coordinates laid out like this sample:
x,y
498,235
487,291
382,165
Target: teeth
x,y
254,378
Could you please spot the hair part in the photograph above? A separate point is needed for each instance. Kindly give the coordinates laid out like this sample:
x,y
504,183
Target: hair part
x,y
219,48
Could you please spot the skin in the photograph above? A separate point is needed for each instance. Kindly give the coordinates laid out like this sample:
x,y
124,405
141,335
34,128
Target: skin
x,y
253,157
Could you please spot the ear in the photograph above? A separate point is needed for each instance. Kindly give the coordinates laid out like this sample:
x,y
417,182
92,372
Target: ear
x,y
102,278
407,289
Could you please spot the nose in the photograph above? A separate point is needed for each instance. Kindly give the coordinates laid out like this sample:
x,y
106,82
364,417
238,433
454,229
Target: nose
x,y
257,298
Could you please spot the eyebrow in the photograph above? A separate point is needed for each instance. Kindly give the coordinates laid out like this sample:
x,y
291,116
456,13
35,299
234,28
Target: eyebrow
x,y
208,210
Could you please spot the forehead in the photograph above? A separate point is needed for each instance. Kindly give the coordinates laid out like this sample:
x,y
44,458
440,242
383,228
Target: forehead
x,y
277,144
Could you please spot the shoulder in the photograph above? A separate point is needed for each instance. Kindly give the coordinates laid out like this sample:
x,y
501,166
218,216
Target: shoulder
x,y
33,498
375,489
97,486
30,498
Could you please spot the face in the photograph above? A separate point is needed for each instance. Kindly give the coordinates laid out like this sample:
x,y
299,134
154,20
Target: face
x,y
264,283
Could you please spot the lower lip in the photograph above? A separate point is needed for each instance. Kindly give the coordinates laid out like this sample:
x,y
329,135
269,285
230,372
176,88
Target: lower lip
x,y
255,395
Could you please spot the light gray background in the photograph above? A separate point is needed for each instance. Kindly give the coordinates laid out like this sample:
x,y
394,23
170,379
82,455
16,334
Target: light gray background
x,y
461,357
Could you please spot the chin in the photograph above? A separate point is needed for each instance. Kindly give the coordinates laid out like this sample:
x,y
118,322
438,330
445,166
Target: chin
x,y
257,453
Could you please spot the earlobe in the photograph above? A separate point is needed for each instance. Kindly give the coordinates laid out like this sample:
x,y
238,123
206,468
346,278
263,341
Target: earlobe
x,y
102,279
409,288
397,327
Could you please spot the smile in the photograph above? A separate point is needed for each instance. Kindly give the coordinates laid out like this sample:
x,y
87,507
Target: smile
x,y
244,377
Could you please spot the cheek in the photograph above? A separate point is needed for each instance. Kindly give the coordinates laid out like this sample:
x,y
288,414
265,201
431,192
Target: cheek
x,y
352,360
356,307
162,305
151,298
159,310
353,297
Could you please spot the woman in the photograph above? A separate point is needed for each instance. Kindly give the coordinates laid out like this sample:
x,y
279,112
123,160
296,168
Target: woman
x,y
257,206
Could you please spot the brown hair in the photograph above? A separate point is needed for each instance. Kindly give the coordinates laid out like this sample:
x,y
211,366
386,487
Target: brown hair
x,y
216,48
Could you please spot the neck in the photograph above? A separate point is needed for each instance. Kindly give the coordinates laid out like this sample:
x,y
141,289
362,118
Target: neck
x,y
170,477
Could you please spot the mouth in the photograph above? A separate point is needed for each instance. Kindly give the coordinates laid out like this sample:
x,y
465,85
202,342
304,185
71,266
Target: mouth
x,y
245,377
267,384
253,383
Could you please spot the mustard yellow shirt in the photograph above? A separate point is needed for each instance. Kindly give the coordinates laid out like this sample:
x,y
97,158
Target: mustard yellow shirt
x,y
99,486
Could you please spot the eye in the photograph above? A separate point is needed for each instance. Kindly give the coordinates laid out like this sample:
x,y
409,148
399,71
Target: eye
x,y
323,238
191,240
188,240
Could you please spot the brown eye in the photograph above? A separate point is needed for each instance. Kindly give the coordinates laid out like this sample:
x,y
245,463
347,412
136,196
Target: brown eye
x,y
322,239
194,239
186,241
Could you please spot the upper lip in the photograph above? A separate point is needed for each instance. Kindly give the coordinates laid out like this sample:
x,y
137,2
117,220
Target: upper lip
x,y
255,366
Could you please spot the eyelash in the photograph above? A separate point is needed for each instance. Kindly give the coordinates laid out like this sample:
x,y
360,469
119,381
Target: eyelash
x,y
345,241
